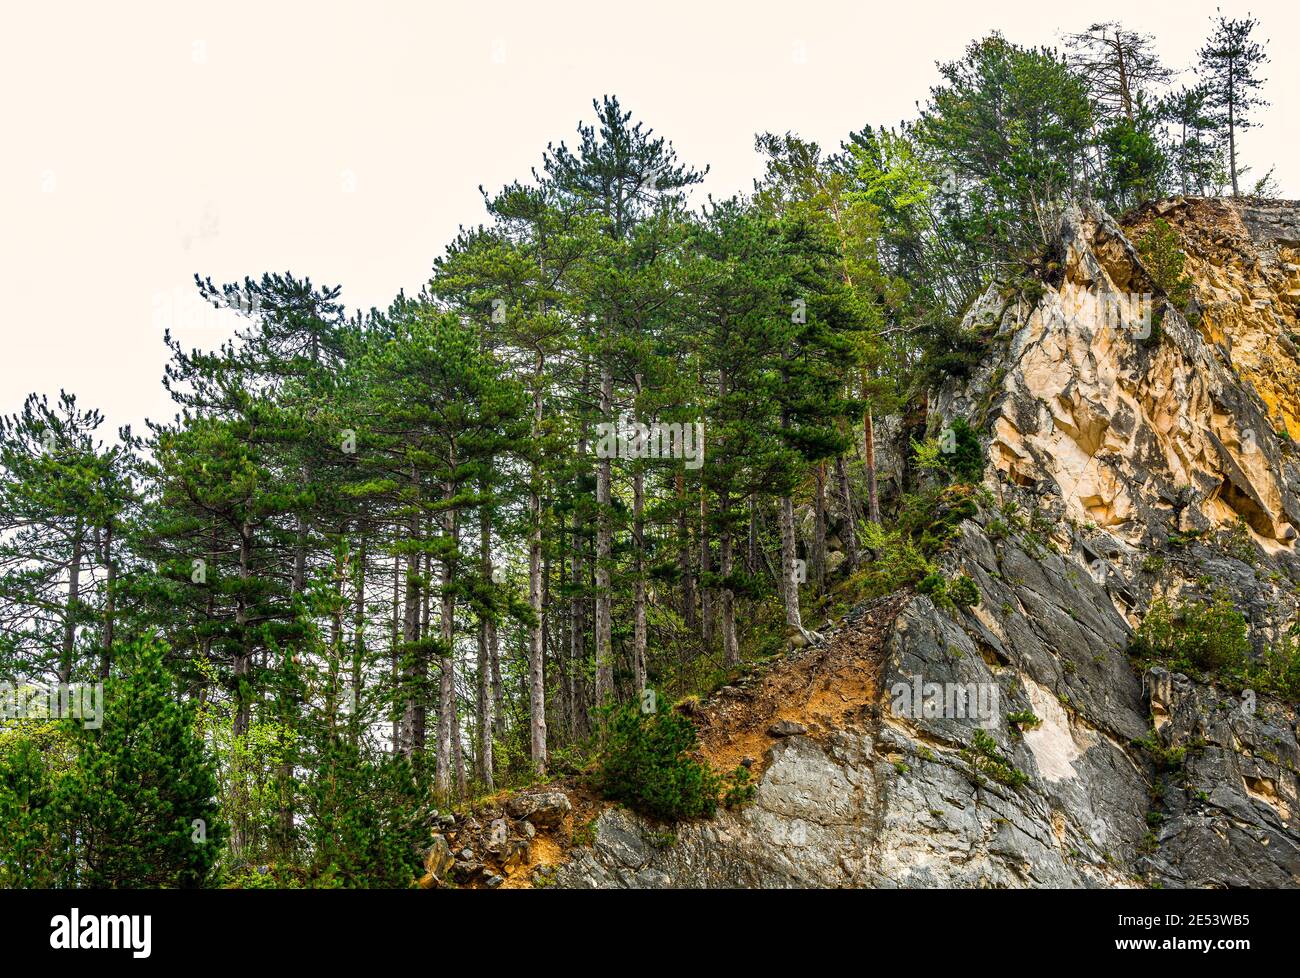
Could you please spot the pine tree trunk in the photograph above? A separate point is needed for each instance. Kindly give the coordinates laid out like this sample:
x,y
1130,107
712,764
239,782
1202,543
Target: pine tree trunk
x,y
639,594
604,553
548,649
684,565
850,537
790,585
239,830
577,632
751,550
498,690
1182,158
335,663
486,638
358,640
445,760
819,527
1232,133
70,610
243,658
414,666
638,560
394,652
869,448
730,648
458,755
110,603
706,570
565,664
536,648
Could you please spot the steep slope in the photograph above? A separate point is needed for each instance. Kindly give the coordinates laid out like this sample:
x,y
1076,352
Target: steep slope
x,y
1131,455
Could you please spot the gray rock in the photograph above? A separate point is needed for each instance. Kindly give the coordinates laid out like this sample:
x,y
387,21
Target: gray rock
x,y
786,728
545,809
498,835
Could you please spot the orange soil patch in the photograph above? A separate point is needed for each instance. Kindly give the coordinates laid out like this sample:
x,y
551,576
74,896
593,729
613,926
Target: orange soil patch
x,y
543,851
833,686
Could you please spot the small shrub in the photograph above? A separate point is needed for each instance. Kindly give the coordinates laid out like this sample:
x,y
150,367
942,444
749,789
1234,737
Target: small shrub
x,y
1237,543
963,591
897,562
1278,670
646,765
739,788
985,759
955,455
1023,720
1153,564
1164,260
935,585
1166,758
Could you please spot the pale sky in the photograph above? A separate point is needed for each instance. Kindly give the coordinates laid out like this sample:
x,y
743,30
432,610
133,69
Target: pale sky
x,y
345,141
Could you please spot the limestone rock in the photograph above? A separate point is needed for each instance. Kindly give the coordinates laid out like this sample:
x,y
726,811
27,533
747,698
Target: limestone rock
x,y
437,861
545,809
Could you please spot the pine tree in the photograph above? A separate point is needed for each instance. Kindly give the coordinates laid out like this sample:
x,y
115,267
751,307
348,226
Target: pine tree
x,y
37,844
62,498
142,791
620,173
1120,67
1015,122
1230,61
1195,153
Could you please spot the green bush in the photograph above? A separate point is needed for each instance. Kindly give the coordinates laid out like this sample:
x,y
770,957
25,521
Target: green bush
x,y
646,765
1211,640
897,562
374,844
130,802
956,454
956,592
1237,542
1194,637
35,837
141,794
963,591
1164,260
1278,671
1023,720
932,517
966,463
740,788
986,759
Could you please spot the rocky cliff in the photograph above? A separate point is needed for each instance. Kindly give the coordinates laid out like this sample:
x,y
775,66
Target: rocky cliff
x,y
1133,452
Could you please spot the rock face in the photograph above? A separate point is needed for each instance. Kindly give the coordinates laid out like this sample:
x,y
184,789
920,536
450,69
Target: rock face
x,y
1112,407
1131,454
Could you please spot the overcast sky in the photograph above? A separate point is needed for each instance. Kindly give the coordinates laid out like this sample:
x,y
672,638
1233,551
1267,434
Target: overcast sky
x,y
345,141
